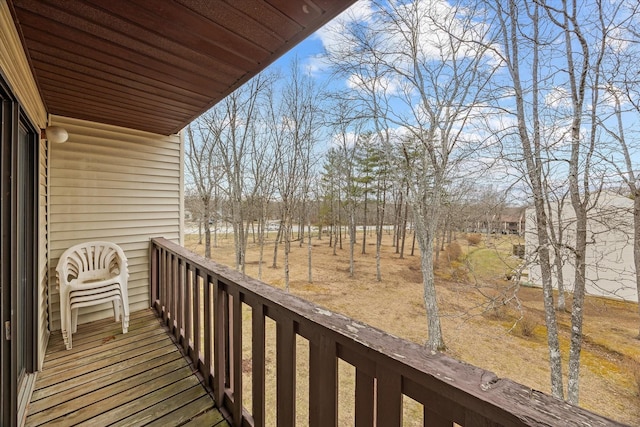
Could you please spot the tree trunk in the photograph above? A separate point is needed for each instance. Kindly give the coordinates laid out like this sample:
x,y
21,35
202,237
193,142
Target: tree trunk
x,y
425,236
379,230
404,230
531,146
352,241
275,245
309,249
380,210
287,250
573,384
636,244
261,231
413,244
562,304
553,342
557,239
364,225
207,230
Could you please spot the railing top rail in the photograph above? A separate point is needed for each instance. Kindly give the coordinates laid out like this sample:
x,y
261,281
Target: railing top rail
x,y
499,399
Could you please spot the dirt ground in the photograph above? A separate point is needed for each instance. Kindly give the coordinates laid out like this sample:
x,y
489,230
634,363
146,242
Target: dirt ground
x,y
508,339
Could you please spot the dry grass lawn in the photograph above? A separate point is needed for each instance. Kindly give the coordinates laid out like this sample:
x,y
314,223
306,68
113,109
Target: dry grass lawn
x,y
507,337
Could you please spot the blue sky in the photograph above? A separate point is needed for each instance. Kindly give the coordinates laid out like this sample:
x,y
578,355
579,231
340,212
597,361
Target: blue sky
x,y
308,51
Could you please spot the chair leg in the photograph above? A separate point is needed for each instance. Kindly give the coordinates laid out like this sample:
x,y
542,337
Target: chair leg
x,y
74,320
65,337
125,318
65,326
70,327
116,310
125,308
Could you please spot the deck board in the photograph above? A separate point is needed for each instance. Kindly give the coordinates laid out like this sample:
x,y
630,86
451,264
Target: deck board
x,y
109,378
162,408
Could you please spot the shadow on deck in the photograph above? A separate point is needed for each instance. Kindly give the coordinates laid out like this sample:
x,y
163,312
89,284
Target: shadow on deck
x,y
139,378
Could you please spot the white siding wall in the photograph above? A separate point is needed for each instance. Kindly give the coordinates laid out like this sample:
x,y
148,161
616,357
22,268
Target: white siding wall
x,y
15,68
610,269
115,184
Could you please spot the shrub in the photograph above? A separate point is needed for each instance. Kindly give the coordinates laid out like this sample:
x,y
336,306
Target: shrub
x,y
474,239
458,272
526,327
453,251
497,312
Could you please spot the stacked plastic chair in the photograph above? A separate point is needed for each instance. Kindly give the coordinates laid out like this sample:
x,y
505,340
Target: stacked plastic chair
x,y
89,274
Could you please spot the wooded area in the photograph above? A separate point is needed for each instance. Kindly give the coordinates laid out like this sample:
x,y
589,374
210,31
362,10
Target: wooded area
x,y
438,113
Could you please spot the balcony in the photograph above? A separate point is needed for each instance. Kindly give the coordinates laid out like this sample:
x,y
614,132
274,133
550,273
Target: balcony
x,y
237,333
139,378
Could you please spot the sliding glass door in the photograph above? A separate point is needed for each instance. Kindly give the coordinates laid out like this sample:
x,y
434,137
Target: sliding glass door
x,y
18,251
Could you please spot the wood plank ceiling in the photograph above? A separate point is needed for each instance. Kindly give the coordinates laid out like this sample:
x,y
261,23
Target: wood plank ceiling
x,y
156,65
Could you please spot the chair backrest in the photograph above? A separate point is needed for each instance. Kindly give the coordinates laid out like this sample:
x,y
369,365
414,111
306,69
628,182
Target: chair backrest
x,y
91,261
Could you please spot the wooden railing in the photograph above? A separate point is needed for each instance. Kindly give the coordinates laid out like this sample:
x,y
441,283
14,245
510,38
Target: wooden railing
x,y
201,303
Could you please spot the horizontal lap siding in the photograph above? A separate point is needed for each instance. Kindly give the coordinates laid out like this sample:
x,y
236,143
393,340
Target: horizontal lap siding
x,y
115,184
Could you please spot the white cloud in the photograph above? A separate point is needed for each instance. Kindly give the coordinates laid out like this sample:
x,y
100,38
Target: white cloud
x,y
330,34
558,97
381,84
344,140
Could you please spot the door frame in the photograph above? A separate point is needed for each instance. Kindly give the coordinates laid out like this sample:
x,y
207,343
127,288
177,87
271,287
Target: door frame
x,y
12,119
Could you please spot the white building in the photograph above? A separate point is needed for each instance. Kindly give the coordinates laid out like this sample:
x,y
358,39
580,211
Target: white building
x,y
610,269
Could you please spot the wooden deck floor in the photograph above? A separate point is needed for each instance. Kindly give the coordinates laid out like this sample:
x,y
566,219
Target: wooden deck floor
x,y
139,378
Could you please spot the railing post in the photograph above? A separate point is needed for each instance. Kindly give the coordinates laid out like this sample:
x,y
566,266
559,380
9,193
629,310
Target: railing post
x,y
257,364
365,399
388,398
219,351
236,328
175,288
208,325
164,284
180,286
188,315
323,383
286,372
153,273
197,317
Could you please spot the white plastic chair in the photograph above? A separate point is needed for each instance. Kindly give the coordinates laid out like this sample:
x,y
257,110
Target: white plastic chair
x,y
89,274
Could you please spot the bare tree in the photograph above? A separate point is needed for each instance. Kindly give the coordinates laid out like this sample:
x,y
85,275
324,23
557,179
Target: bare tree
x,y
201,164
295,119
443,92
561,108
419,55
623,88
556,199
233,126
346,140
523,84
584,36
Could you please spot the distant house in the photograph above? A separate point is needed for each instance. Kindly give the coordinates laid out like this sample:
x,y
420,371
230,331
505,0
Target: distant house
x,y
610,269
496,219
511,220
